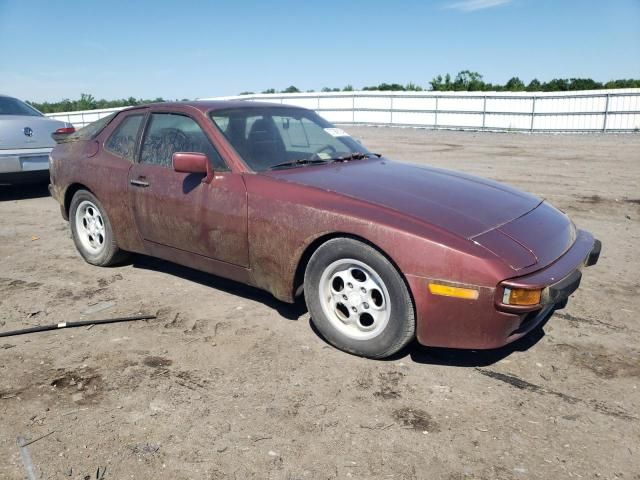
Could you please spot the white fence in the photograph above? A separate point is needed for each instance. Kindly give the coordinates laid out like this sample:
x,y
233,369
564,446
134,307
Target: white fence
x,y
584,111
82,118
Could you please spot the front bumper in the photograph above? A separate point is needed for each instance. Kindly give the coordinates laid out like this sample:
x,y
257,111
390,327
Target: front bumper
x,y
559,280
487,322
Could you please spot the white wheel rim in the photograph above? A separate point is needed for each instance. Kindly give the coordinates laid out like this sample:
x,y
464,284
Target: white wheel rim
x,y
354,299
90,227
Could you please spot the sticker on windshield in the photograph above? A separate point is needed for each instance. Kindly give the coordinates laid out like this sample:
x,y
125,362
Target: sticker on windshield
x,y
323,156
336,132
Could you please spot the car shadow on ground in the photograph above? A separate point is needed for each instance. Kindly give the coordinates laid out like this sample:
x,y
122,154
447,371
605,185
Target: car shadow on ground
x,y
289,311
10,193
417,353
456,357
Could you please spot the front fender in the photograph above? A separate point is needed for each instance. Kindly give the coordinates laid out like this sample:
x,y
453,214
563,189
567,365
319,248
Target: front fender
x,y
285,220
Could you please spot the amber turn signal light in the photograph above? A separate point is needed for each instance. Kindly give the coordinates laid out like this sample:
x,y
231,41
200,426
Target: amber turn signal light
x,y
521,296
449,291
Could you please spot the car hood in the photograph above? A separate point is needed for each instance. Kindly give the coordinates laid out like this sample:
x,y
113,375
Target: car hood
x,y
462,204
12,131
538,238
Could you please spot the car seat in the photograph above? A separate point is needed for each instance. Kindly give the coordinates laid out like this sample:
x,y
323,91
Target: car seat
x,y
265,146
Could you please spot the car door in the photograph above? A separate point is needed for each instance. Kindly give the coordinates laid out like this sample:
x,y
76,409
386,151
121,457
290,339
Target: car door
x,y
178,210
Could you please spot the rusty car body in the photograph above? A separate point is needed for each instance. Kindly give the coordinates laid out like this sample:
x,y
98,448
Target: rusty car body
x,y
482,263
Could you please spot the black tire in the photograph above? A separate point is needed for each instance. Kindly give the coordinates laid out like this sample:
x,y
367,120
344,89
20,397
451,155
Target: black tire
x,y
400,328
109,254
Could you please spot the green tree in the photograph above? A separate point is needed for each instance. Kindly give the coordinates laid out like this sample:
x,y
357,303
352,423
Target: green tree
x,y
624,83
534,86
386,87
439,84
465,80
584,84
556,85
290,89
514,84
469,81
86,102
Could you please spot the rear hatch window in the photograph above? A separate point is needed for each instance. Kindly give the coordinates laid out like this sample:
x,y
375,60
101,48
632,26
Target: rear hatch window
x,y
90,131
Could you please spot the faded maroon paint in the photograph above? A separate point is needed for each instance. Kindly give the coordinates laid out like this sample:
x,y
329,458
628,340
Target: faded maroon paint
x,y
256,228
181,211
515,254
459,203
545,231
276,213
79,163
487,322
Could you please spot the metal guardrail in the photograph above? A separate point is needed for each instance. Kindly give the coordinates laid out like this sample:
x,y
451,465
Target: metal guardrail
x,y
527,111
533,113
82,118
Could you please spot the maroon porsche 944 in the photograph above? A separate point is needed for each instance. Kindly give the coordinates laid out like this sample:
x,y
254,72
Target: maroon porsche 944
x,y
276,197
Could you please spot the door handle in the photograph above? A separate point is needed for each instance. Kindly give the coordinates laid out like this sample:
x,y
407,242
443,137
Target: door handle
x,y
139,183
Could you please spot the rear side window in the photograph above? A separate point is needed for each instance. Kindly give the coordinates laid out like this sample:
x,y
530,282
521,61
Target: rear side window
x,y
169,133
122,141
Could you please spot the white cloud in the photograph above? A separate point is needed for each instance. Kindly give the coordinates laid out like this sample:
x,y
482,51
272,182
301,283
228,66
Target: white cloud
x,y
473,5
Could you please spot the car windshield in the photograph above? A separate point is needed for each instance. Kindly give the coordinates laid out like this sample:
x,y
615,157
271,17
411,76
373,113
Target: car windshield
x,y
13,106
284,137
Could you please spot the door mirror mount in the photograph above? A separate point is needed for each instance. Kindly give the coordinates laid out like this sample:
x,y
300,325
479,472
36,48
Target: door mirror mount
x,y
192,162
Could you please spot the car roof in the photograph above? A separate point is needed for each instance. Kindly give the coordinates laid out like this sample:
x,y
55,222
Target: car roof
x,y
211,105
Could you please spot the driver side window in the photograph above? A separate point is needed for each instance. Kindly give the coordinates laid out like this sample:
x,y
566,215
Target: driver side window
x,y
169,133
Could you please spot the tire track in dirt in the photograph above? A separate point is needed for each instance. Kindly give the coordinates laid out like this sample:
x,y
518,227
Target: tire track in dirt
x,y
521,384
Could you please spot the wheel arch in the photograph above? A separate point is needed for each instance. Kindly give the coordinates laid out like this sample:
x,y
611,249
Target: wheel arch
x,y
70,192
298,279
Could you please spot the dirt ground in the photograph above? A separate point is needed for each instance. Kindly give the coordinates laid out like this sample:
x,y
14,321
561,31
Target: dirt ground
x,y
229,383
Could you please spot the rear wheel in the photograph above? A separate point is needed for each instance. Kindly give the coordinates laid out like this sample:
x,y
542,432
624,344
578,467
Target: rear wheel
x,y
92,232
358,300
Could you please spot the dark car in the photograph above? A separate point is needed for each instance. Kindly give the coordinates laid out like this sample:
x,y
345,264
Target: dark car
x,y
276,197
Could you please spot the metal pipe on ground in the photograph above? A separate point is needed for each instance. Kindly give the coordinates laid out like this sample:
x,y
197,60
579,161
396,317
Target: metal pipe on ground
x,y
80,323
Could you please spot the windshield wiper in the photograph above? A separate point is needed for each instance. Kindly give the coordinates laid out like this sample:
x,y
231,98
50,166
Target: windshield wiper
x,y
299,162
354,156
318,161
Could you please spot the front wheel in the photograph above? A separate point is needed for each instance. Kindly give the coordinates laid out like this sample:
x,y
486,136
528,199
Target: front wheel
x,y
358,300
92,232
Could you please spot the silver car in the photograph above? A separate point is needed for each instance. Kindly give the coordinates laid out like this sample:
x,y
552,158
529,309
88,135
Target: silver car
x,y
25,141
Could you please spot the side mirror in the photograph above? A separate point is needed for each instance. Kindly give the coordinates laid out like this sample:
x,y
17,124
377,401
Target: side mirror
x,y
191,162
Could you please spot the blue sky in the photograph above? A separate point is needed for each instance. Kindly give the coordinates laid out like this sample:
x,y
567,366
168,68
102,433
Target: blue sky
x,y
187,49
